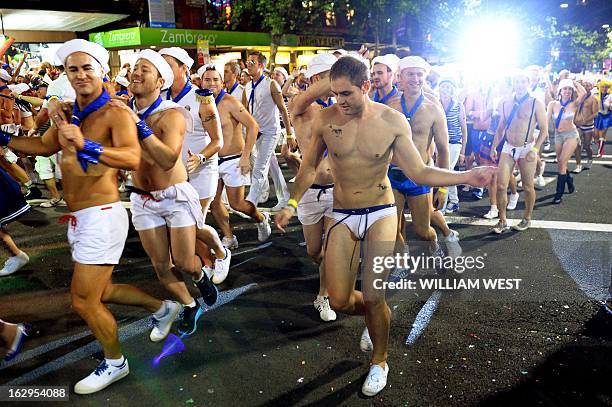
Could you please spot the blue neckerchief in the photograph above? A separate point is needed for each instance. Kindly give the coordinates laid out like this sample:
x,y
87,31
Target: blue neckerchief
x,y
387,97
182,94
563,106
416,106
3,87
79,115
515,108
147,112
233,87
252,95
121,92
321,102
219,97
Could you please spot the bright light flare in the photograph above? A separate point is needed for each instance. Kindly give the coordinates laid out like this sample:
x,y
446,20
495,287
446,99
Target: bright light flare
x,y
172,345
488,49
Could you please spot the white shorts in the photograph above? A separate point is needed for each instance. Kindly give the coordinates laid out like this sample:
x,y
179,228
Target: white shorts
x,y
10,157
517,152
177,206
230,174
204,180
317,202
47,167
97,234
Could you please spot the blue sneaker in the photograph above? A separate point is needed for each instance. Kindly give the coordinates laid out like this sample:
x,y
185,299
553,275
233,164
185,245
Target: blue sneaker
x,y
23,330
452,207
189,322
477,193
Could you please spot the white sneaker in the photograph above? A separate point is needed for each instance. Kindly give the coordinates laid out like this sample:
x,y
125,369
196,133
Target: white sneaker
x,y
466,188
222,267
539,181
492,214
102,377
208,271
542,167
122,187
365,344
452,244
292,180
162,324
321,304
376,380
53,202
512,201
230,243
14,263
263,228
578,169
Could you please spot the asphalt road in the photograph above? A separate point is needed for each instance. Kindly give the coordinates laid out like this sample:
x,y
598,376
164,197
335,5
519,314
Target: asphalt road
x,y
547,343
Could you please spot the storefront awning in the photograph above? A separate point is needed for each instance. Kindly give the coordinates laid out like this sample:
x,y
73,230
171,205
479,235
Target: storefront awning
x,y
140,37
48,20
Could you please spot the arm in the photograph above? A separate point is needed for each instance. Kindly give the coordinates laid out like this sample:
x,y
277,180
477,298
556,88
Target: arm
x,y
440,136
499,132
46,145
580,90
212,124
287,85
300,103
277,97
542,121
307,172
240,114
594,109
166,148
34,101
409,161
245,101
16,73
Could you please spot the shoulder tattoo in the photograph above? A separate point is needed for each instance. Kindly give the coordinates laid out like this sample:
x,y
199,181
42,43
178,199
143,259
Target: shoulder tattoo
x,y
210,117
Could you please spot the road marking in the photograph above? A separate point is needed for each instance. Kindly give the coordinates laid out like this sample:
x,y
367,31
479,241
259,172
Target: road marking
x,y
125,333
583,161
535,224
423,317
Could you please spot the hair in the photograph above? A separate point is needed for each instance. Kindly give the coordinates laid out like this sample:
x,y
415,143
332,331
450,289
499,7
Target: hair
x,y
235,67
213,68
351,68
572,98
179,63
261,58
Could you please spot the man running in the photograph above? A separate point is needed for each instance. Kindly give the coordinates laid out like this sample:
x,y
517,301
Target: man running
x,y
585,121
518,118
100,140
165,207
234,163
315,207
360,137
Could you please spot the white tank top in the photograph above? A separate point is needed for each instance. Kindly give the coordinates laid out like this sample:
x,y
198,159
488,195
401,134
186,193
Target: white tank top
x,y
263,108
197,139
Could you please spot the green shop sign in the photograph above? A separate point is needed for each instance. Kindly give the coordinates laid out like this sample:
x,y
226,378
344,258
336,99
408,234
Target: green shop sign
x,y
142,36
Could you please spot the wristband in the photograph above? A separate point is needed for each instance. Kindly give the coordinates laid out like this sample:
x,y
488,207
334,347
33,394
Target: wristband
x,y
143,129
443,190
535,149
290,136
55,97
5,138
202,158
292,203
90,153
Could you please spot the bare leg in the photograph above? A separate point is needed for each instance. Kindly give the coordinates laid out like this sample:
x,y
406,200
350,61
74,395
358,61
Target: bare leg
x,y
400,201
8,244
528,169
220,213
420,208
504,171
52,187
314,243
235,196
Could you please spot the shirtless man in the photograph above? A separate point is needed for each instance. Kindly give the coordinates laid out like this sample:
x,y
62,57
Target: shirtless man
x,y
517,122
428,123
165,207
588,108
234,163
199,152
231,76
361,136
100,140
315,206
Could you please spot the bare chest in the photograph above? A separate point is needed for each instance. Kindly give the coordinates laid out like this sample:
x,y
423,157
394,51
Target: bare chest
x,y
367,144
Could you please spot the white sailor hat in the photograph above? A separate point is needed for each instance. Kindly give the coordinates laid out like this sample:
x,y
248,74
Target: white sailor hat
x,y
98,52
5,76
201,70
414,61
282,70
178,53
160,64
566,83
389,60
320,63
19,88
122,80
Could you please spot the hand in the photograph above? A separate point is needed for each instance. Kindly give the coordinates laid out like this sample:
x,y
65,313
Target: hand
x,y
60,112
439,200
292,143
295,73
70,135
363,51
32,132
461,159
481,176
494,153
282,218
193,161
124,106
245,165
